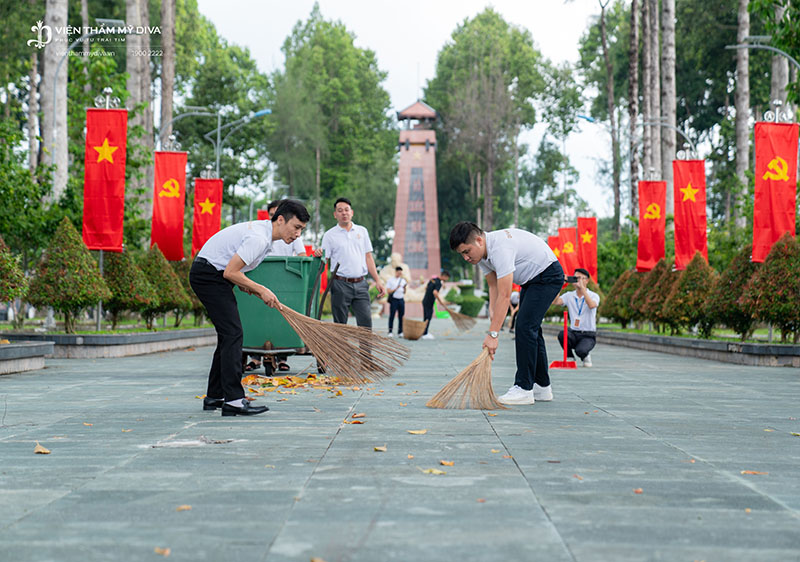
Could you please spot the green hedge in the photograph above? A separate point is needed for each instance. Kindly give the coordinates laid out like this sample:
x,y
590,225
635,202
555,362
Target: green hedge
x,y
130,289
723,305
171,295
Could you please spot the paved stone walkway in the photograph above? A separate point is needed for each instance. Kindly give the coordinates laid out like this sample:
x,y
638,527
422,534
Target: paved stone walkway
x,y
644,456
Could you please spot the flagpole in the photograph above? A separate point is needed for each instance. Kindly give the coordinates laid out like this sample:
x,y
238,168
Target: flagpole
x,y
107,101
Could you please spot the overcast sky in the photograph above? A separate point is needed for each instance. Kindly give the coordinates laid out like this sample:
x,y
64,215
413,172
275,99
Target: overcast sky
x,y
406,38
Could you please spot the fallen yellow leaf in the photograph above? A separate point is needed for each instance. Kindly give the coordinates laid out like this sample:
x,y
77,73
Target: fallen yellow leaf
x,y
126,430
400,384
747,510
577,476
447,463
381,449
88,424
357,422
163,551
418,431
637,490
753,472
356,416
183,508
769,430
493,415
281,400
337,393
317,559
410,456
403,403
481,500
507,457
495,450
796,434
433,471
201,396
4,341
269,466
39,450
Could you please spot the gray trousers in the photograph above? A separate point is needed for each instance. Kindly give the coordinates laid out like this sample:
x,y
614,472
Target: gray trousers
x,y
351,296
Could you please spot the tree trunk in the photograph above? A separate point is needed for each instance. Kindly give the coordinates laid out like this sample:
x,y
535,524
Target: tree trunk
x,y
647,107
516,176
612,117
54,97
167,66
33,114
488,192
147,96
668,108
780,69
633,106
742,103
133,68
317,197
655,85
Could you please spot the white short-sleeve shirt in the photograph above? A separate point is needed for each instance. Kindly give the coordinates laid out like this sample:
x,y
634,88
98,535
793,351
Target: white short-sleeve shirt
x,y
281,248
581,317
516,251
347,249
250,240
396,287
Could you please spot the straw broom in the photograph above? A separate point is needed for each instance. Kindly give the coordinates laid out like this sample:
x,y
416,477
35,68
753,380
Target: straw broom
x,y
471,388
356,355
463,322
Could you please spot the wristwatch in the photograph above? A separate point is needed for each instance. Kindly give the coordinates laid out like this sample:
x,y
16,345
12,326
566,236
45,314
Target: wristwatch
x,y
493,334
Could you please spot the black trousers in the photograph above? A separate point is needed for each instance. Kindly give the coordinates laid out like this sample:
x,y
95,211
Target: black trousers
x,y
579,342
216,294
397,306
351,296
427,314
535,298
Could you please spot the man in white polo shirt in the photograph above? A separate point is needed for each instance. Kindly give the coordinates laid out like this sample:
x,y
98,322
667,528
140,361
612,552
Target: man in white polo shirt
x,y
582,306
348,247
219,266
506,257
279,247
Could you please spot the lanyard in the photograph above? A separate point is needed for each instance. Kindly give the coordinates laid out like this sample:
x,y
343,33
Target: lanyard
x,y
580,308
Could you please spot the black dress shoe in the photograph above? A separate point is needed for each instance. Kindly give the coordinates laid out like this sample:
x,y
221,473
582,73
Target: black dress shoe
x,y
246,409
212,403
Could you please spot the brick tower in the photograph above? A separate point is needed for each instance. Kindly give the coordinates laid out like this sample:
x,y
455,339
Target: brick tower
x,y
416,216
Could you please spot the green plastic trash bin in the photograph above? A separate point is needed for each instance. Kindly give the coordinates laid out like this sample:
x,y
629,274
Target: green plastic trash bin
x,y
294,280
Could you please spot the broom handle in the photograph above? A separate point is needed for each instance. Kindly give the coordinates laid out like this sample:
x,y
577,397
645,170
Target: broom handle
x,y
327,288
566,339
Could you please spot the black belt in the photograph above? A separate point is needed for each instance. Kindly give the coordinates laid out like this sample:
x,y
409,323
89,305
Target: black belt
x,y
204,261
350,279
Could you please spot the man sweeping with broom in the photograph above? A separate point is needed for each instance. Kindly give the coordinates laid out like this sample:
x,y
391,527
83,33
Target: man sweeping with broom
x,y
219,266
506,257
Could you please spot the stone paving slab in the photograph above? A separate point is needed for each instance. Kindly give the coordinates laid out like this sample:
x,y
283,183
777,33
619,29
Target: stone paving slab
x,y
640,457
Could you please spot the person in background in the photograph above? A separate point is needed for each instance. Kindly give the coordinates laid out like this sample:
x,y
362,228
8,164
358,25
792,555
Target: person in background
x,y
431,296
219,266
396,289
582,306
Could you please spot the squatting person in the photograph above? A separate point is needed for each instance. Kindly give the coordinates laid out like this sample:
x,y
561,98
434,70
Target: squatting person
x,y
582,306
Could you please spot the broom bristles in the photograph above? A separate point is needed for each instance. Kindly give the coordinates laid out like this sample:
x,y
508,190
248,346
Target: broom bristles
x,y
356,355
462,321
471,388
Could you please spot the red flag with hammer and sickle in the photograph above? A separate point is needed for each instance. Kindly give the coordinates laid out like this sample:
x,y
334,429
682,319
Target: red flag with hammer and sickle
x,y
587,245
568,239
169,196
776,185
690,210
104,178
207,211
652,224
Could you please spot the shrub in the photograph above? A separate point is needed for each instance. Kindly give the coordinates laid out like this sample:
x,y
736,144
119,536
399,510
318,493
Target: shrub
x,y
471,305
171,295
648,283
68,278
773,292
182,269
684,306
453,296
610,306
13,283
626,308
723,306
654,306
130,289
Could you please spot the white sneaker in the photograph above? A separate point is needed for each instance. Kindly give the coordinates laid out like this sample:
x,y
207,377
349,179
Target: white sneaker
x,y
517,395
428,337
587,361
543,393
390,335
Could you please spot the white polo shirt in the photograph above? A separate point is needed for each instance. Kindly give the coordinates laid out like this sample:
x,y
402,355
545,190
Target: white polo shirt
x,y
516,251
347,249
581,317
281,248
396,287
250,240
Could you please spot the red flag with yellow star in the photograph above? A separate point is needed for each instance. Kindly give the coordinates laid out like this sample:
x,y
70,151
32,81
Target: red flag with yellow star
x,y
207,211
587,245
690,210
104,178
776,185
169,197
568,238
555,244
652,224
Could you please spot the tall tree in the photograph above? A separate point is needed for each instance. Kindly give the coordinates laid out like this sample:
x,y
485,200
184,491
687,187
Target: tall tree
x,y
653,90
647,106
742,101
633,107
615,156
167,66
668,97
54,96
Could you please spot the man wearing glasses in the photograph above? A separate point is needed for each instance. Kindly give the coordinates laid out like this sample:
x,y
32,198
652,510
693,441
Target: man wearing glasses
x,y
582,306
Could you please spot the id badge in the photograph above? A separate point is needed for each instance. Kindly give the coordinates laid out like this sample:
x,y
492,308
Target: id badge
x,y
576,323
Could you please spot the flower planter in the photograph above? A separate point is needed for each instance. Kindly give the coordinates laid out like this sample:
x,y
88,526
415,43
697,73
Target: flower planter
x,y
20,356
